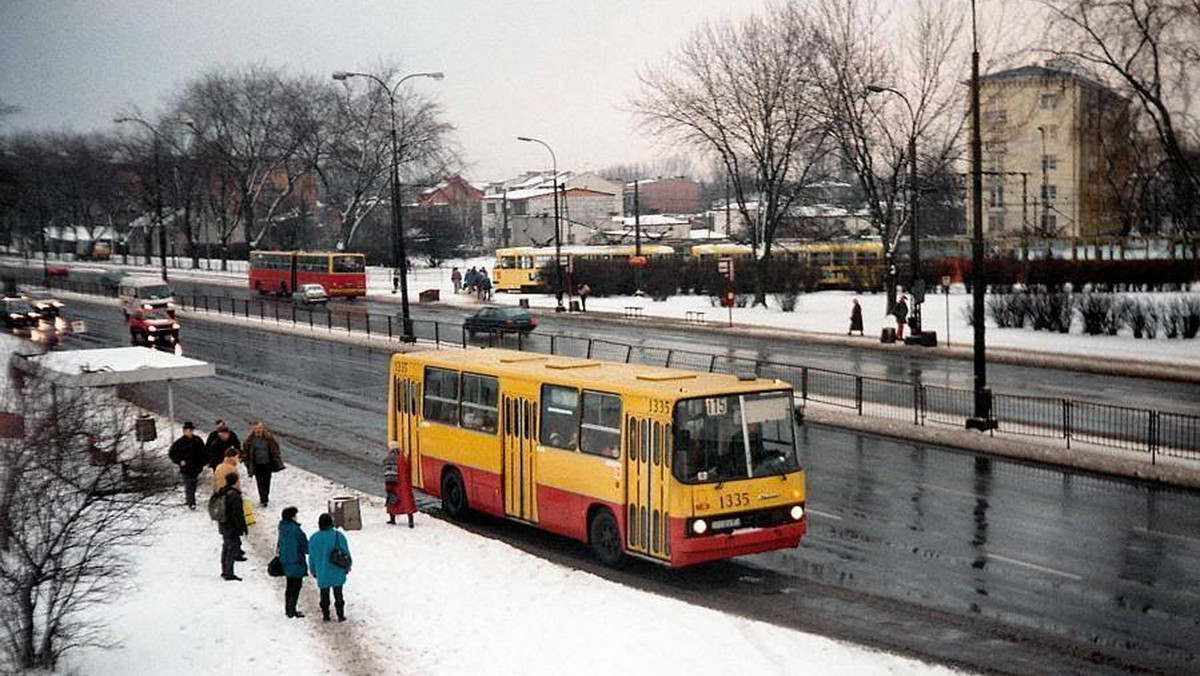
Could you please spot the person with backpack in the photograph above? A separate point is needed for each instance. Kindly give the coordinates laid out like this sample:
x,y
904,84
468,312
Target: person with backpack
x,y
225,507
292,546
218,441
329,568
188,453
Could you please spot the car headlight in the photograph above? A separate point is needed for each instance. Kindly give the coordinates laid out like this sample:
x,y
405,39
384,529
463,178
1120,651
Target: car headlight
x,y
170,305
147,306
57,303
13,315
699,526
152,329
175,326
797,512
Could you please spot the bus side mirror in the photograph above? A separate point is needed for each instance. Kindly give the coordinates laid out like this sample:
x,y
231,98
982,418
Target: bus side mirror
x,y
798,414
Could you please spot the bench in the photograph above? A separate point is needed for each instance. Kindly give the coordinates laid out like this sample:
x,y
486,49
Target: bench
x,y
694,317
633,312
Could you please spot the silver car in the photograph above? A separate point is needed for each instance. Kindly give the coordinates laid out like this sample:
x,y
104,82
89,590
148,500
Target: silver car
x,y
310,293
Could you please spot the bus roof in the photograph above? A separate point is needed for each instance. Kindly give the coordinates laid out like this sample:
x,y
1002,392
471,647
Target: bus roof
x,y
592,374
304,253
588,250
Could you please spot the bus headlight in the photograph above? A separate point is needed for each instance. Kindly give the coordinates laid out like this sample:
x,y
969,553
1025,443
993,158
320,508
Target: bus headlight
x,y
699,526
797,512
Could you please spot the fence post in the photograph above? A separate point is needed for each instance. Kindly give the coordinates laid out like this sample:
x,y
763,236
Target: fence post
x,y
246,314
276,306
1152,439
804,383
261,311
628,353
553,344
389,327
347,323
712,363
464,337
328,320
310,318
1066,415
293,314
916,402
858,393
669,353
437,333
368,320
589,351
520,341
757,368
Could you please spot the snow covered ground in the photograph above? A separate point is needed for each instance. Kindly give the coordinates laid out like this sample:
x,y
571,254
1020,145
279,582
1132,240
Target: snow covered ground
x,y
433,600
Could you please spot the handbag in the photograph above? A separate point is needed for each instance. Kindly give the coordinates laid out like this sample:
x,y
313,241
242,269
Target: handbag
x,y
339,557
275,567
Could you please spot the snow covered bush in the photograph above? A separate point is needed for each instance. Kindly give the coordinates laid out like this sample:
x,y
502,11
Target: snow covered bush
x,y
1143,318
787,300
1102,313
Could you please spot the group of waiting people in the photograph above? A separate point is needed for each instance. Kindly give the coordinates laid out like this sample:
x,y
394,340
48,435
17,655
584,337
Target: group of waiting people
x,y
299,555
474,282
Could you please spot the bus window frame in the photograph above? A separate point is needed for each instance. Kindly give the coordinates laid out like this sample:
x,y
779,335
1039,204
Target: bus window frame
x,y
425,399
463,404
543,404
616,449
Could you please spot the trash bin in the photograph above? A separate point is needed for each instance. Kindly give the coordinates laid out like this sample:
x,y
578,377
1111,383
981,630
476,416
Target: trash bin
x,y
346,512
429,296
574,307
523,302
888,336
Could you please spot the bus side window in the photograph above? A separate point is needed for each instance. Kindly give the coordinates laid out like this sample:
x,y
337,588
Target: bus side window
x,y
441,395
657,441
401,397
479,402
600,428
560,416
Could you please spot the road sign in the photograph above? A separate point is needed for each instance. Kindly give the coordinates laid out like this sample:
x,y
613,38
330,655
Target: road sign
x,y
725,268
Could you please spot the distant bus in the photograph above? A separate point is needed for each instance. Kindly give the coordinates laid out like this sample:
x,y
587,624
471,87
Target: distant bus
x,y
674,466
842,264
519,268
282,272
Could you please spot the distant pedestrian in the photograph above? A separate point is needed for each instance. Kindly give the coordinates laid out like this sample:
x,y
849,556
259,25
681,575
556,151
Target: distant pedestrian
x,y
321,564
397,484
219,440
584,291
292,546
227,466
395,282
232,528
188,453
456,279
260,452
900,312
469,279
485,287
856,321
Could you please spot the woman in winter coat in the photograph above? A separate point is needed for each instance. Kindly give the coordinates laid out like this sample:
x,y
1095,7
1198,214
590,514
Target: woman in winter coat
x,y
397,484
856,319
260,454
329,575
293,548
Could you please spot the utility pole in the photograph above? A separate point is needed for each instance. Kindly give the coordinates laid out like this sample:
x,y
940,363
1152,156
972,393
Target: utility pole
x,y
1044,225
637,235
982,420
504,236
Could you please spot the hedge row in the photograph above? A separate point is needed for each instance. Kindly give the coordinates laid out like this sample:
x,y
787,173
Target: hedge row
x,y
1099,313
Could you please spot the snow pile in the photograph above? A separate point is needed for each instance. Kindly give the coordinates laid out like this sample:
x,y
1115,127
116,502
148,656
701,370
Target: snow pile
x,y
433,600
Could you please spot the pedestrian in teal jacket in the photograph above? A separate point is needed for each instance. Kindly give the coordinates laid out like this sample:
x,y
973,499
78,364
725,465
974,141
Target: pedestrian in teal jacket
x,y
293,547
329,575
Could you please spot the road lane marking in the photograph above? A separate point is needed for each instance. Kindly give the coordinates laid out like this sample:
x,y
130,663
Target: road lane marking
x,y
1034,566
825,515
1147,531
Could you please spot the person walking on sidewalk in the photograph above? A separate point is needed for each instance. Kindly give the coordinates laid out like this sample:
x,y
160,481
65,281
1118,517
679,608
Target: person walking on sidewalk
x,y
856,322
321,564
397,484
218,440
900,312
227,466
261,454
232,528
292,546
456,279
584,292
188,453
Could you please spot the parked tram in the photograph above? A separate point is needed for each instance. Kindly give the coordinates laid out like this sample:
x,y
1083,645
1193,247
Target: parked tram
x,y
519,269
283,272
673,466
842,265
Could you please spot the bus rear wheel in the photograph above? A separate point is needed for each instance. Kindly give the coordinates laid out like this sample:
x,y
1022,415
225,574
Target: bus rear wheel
x,y
454,495
605,539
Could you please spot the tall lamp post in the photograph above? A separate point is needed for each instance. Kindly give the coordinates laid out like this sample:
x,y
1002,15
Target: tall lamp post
x,y
914,229
399,257
158,205
558,276
1043,225
983,419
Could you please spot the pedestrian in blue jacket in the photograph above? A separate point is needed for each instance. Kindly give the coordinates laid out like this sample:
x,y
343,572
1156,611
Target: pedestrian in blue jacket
x,y
320,563
293,548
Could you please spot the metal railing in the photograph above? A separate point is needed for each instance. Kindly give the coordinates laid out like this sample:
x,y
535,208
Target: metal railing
x,y
1140,430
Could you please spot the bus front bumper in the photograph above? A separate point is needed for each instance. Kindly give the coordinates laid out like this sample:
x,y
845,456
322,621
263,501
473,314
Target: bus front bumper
x,y
689,551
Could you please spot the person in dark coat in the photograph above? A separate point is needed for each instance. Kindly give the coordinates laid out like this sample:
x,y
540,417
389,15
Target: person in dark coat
x,y
329,576
260,454
397,484
293,550
188,453
584,292
456,279
218,440
856,323
900,312
232,528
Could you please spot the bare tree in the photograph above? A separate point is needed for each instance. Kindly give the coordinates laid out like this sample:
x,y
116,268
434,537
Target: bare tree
x,y
1149,48
68,524
743,91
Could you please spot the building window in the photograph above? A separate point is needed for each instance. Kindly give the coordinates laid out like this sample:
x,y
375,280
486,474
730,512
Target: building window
x,y
1049,162
1049,192
997,118
441,395
601,427
1049,101
995,223
996,195
518,208
1049,222
491,207
479,408
560,416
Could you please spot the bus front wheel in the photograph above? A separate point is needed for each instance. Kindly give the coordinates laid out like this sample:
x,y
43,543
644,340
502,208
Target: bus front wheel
x,y
605,538
454,495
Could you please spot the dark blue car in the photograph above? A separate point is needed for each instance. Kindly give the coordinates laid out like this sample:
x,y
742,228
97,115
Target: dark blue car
x,y
502,319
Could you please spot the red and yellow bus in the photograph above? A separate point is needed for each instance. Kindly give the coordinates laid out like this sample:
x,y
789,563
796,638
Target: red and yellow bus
x,y
674,466
282,272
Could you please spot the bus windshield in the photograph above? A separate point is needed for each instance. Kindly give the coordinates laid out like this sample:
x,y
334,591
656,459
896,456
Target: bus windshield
x,y
154,292
348,264
731,437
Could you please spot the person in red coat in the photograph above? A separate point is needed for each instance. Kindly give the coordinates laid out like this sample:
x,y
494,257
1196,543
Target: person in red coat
x,y
397,483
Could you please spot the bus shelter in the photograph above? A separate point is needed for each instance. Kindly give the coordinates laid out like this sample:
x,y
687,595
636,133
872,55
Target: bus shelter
x,y
113,366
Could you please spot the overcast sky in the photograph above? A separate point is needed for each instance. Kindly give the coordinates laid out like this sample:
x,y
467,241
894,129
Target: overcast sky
x,y
561,70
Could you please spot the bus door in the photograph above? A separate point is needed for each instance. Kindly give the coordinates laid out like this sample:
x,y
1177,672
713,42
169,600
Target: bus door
x,y
647,474
407,419
520,442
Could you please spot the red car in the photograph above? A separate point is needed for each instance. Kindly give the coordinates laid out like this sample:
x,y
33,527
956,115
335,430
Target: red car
x,y
153,327
58,271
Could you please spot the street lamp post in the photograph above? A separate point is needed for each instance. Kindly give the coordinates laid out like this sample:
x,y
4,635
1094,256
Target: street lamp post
x,y
983,419
399,256
1043,226
158,202
914,229
558,276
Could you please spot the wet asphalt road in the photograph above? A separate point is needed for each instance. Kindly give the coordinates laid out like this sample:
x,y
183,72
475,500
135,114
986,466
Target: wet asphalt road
x,y
982,563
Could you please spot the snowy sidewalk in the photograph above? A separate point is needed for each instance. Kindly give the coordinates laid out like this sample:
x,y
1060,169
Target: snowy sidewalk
x,y
433,600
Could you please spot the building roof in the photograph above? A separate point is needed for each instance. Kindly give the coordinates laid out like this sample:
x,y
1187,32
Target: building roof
x,y
530,193
1036,72
111,366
